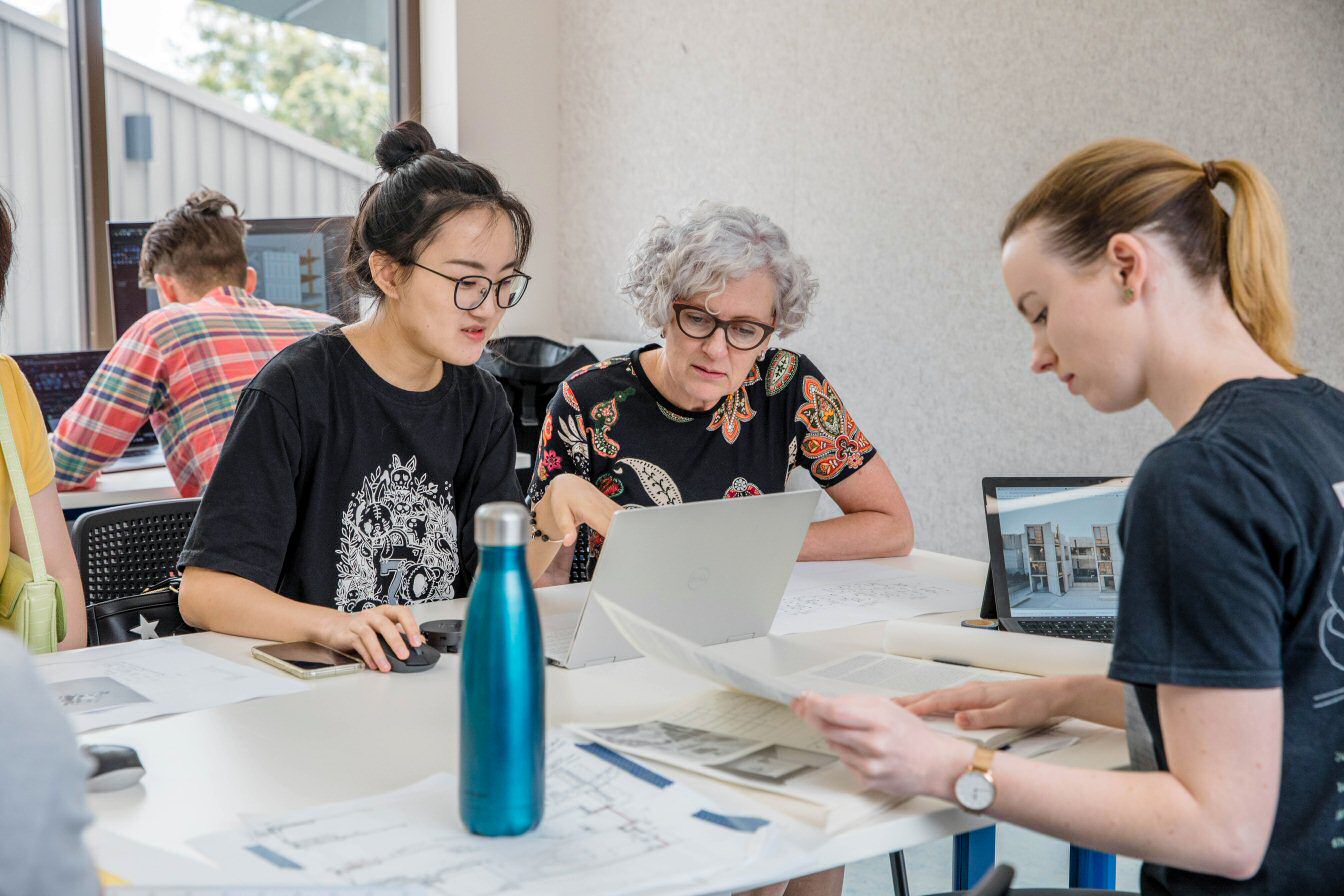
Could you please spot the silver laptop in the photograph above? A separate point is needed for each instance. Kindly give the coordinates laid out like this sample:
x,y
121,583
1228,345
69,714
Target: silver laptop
x,y
1054,556
711,571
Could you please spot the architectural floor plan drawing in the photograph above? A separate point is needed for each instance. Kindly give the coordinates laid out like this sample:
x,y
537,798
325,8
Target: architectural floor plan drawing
x,y
610,825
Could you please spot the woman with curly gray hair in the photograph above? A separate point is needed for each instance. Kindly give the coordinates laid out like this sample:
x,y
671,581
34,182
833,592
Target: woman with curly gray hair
x,y
715,411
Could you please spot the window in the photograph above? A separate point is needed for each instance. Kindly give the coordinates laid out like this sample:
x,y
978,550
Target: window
x,y
277,104
44,305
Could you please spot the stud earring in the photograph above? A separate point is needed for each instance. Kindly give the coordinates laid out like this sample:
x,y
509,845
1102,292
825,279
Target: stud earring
x,y
1129,295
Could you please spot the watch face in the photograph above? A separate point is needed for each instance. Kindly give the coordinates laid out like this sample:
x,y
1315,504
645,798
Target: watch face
x,y
974,791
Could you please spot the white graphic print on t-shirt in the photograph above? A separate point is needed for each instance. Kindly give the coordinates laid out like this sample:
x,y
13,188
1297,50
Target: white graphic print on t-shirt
x,y
398,540
1331,633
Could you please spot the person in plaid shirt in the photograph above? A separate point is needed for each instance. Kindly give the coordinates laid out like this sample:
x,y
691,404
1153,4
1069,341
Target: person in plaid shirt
x,y
182,366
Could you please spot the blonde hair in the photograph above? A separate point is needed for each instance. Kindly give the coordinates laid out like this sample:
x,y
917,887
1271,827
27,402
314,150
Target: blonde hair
x,y
1125,185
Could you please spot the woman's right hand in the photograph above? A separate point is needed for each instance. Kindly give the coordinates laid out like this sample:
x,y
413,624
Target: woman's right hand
x,y
1027,703
570,501
359,632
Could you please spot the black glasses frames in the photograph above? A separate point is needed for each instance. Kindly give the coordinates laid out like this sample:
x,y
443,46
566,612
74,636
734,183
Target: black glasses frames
x,y
508,290
742,333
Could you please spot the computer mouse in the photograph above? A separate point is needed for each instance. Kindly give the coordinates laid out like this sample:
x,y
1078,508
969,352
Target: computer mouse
x,y
421,658
111,767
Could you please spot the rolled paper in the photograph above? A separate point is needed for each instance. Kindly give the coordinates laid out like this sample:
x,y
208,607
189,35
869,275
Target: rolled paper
x,y
989,649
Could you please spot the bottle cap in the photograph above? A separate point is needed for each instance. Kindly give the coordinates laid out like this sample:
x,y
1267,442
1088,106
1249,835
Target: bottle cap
x,y
502,524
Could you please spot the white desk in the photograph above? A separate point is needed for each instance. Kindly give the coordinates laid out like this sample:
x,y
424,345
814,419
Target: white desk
x,y
367,733
149,484
127,487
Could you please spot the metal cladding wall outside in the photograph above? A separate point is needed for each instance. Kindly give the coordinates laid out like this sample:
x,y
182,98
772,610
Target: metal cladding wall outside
x,y
199,139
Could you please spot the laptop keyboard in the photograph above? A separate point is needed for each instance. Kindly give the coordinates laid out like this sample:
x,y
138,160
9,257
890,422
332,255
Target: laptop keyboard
x,y
557,633
1089,629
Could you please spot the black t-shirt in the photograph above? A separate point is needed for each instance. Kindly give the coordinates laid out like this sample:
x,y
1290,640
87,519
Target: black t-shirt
x,y
339,489
1233,534
608,424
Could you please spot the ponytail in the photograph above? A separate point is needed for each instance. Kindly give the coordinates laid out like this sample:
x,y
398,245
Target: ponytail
x,y
1125,185
1257,262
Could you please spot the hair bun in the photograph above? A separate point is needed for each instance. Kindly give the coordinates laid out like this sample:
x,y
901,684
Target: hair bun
x,y
210,202
402,144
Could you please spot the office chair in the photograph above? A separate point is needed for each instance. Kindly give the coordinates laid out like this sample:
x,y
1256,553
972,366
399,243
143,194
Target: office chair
x,y
531,369
128,560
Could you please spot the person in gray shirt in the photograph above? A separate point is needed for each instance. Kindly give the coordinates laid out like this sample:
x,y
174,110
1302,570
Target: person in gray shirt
x,y
42,809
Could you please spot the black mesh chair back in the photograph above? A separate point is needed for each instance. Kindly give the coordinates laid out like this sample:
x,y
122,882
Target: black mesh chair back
x,y
122,551
531,369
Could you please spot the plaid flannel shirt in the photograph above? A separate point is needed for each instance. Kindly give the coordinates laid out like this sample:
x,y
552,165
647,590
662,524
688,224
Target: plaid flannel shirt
x,y
182,368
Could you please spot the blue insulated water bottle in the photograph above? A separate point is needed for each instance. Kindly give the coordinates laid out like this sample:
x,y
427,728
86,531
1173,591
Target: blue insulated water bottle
x,y
502,756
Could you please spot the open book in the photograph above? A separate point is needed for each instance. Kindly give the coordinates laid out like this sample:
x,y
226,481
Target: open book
x,y
749,736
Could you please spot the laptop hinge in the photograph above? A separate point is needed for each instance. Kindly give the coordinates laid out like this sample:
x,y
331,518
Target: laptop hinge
x,y
605,659
745,637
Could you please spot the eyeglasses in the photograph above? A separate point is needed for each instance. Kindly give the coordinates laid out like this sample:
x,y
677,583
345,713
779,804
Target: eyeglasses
x,y
469,293
743,333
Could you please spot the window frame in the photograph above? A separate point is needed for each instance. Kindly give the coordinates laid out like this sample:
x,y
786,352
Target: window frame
x,y
88,109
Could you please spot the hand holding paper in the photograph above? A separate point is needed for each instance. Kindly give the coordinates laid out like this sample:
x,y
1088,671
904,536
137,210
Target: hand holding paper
x,y
884,744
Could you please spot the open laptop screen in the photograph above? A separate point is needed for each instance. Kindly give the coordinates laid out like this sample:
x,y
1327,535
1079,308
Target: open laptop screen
x,y
58,380
1054,550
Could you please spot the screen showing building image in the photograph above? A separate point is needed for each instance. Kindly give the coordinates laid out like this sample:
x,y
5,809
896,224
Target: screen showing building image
x,y
1061,553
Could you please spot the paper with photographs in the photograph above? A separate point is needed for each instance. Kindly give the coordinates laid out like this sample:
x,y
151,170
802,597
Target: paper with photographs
x,y
120,683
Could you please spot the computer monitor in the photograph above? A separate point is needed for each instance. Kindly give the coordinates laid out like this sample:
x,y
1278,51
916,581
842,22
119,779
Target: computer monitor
x,y
298,263
59,378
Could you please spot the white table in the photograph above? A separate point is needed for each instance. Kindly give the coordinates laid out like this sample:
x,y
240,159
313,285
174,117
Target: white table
x,y
367,733
126,487
149,484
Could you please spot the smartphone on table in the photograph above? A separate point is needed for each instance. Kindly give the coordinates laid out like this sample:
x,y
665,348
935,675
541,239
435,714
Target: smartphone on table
x,y
304,659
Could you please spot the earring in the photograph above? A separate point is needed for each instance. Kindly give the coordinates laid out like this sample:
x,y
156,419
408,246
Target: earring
x,y
1128,294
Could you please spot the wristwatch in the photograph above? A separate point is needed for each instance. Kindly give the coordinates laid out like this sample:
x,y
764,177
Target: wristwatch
x,y
974,788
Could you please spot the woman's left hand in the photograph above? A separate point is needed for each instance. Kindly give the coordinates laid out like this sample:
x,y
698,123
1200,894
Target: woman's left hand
x,y
887,746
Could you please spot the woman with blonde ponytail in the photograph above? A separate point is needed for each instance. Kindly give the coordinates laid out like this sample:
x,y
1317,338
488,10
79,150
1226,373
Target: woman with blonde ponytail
x,y
1228,667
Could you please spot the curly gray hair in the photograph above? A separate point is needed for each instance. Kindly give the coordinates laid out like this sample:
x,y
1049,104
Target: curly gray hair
x,y
700,253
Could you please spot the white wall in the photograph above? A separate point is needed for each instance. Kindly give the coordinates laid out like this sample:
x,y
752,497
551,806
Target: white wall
x,y
889,139
508,110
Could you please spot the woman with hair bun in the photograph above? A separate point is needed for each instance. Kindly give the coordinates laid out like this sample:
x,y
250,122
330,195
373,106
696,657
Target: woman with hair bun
x,y
358,456
1228,667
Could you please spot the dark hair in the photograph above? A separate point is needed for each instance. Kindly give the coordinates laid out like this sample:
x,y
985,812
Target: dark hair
x,y
200,243
6,244
423,184
1124,185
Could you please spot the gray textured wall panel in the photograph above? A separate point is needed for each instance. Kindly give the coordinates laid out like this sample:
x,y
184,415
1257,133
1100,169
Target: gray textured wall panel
x,y
890,138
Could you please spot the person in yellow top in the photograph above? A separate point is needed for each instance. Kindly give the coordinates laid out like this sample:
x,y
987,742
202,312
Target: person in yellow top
x,y
30,435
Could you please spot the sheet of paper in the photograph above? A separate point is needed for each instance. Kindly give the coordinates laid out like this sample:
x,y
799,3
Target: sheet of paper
x,y
834,594
123,862
753,743
139,680
883,675
658,643
610,826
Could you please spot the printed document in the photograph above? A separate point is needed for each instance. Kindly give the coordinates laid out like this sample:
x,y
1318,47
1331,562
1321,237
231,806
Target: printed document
x,y
753,743
880,674
610,826
835,594
139,680
750,737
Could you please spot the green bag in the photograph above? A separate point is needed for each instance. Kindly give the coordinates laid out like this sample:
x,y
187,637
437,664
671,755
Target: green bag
x,y
31,604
